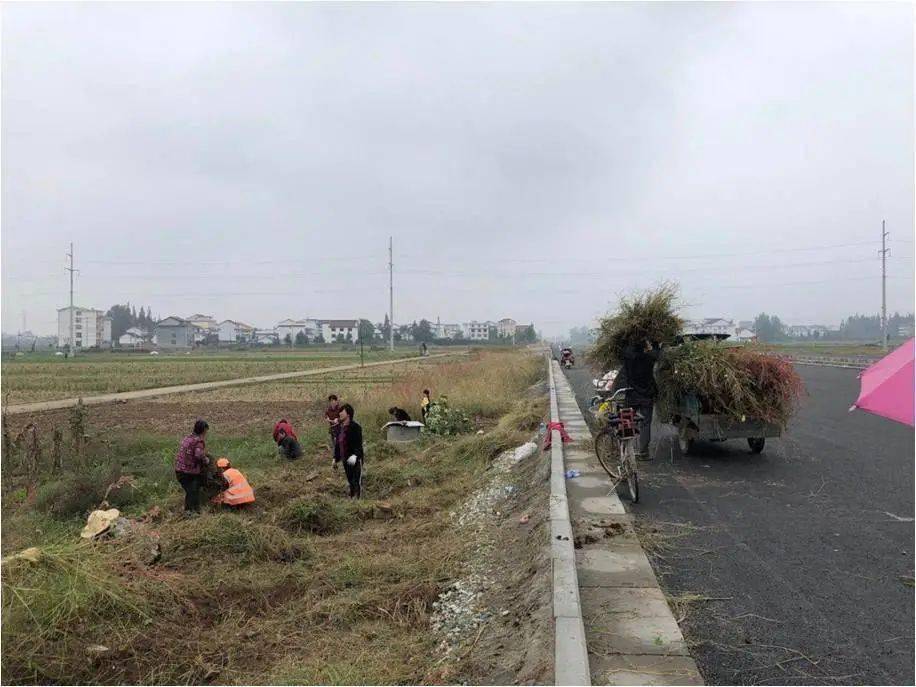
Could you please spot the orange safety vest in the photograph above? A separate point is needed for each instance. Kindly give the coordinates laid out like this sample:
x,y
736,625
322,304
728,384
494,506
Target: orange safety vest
x,y
239,491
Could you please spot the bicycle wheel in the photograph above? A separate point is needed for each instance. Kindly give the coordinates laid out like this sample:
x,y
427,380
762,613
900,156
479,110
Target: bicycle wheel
x,y
606,450
632,477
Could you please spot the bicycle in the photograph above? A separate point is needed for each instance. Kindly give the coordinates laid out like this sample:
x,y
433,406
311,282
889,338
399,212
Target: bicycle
x,y
618,438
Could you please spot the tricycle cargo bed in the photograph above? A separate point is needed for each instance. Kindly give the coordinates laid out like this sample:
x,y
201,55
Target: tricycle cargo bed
x,y
721,427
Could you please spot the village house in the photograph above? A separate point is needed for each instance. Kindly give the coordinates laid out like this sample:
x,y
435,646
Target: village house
x,y
339,330
134,338
289,327
231,331
175,333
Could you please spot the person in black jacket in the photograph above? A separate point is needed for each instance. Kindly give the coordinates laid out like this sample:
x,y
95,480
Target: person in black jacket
x,y
348,447
638,363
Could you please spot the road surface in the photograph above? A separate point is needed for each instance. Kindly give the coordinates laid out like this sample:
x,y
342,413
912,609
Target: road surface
x,y
802,557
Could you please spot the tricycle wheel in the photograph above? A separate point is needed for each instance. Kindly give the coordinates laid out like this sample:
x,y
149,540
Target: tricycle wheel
x,y
756,444
684,442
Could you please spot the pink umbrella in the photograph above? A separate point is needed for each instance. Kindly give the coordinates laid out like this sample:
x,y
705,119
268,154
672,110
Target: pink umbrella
x,y
887,386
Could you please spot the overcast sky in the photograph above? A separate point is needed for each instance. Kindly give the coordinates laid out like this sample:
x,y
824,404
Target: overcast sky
x,y
250,161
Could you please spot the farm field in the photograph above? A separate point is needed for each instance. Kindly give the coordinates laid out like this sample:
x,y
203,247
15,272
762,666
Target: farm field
x,y
45,378
269,595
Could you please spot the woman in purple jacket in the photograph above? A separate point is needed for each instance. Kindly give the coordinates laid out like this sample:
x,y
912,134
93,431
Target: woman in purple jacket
x,y
190,462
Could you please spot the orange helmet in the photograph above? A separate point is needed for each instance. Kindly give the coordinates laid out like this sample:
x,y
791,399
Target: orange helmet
x,y
222,463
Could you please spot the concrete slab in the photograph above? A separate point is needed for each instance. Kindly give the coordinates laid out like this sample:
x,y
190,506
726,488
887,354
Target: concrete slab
x,y
614,563
630,621
616,669
571,666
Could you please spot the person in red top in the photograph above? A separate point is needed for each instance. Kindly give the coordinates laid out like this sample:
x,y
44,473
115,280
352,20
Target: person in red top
x,y
332,417
287,442
190,462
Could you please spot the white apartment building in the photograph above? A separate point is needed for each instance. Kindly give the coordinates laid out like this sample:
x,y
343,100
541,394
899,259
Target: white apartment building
x,y
91,328
231,331
477,331
506,327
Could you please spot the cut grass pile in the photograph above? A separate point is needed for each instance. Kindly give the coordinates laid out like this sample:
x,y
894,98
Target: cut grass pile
x,y
280,593
645,316
736,381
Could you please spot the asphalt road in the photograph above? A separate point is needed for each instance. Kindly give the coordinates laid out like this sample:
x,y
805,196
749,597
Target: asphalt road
x,y
802,556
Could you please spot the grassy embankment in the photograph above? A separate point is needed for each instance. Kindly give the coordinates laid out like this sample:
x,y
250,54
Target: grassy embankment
x,y
307,587
43,378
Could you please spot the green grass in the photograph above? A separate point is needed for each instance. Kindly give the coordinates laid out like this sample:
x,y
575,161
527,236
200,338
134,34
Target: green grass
x,y
269,594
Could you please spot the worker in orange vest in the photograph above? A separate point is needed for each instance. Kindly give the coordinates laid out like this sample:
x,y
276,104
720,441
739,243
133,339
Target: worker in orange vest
x,y
238,492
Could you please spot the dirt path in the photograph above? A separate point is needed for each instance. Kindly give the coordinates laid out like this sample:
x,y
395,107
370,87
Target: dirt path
x,y
204,386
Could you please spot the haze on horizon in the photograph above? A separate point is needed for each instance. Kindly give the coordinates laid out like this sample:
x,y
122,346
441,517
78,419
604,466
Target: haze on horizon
x,y
533,161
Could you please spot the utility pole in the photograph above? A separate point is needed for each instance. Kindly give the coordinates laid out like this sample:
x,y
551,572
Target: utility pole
x,y
390,294
71,349
884,251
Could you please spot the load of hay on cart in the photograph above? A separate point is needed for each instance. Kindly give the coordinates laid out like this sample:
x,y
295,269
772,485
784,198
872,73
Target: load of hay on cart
x,y
736,384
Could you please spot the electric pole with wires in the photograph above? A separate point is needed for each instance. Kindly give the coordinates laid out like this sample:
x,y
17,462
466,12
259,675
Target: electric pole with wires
x,y
71,347
390,293
884,251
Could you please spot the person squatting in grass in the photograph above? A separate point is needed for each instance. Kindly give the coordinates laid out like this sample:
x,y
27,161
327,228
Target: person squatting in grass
x,y
287,442
348,448
190,461
237,491
398,414
332,417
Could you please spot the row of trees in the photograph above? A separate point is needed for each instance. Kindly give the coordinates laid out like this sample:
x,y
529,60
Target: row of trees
x,y
123,317
770,328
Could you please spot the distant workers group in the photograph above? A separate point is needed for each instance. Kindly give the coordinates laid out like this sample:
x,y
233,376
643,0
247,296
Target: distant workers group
x,y
228,487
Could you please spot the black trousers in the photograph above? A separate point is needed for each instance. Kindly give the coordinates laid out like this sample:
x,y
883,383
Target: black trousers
x,y
354,477
191,485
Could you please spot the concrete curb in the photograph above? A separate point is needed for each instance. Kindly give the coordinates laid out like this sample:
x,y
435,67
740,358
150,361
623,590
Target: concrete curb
x,y
41,406
632,635
570,648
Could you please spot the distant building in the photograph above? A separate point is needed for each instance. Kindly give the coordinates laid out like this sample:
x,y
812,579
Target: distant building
x,y
710,325
133,338
477,331
446,331
289,327
806,331
206,326
175,333
339,330
746,324
91,328
905,330
506,327
231,331
744,334
266,337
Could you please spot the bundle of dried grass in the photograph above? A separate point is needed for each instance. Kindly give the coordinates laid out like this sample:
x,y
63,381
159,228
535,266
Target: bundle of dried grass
x,y
648,315
737,381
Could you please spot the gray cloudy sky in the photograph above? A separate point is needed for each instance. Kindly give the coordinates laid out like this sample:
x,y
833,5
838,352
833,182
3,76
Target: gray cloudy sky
x,y
250,160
